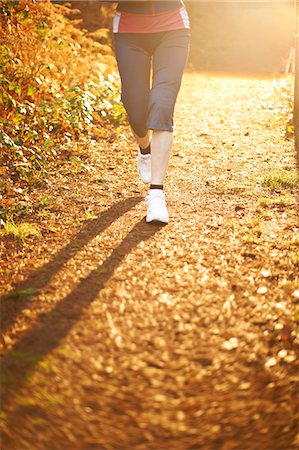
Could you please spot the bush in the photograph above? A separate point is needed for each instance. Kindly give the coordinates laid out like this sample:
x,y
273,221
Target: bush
x,y
56,85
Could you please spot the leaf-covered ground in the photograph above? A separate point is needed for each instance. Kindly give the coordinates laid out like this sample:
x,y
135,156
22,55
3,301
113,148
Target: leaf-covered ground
x,y
124,335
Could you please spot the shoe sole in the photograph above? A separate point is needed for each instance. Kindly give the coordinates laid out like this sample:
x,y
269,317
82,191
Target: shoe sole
x,y
157,219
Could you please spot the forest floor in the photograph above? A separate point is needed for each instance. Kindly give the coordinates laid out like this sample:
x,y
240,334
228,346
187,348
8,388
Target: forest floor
x,y
120,334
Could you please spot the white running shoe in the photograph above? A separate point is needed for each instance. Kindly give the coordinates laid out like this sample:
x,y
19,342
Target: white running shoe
x,y
156,206
144,167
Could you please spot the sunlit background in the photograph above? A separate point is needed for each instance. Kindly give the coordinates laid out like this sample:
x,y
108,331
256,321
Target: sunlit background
x,y
241,36
238,36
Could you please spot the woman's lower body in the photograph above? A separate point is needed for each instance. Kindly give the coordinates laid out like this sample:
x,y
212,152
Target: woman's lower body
x,y
150,101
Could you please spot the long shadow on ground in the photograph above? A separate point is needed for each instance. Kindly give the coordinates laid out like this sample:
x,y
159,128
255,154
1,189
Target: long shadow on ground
x,y
11,308
54,326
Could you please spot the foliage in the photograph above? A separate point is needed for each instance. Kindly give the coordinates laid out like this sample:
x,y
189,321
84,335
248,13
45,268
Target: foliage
x,y
56,86
278,180
284,113
20,231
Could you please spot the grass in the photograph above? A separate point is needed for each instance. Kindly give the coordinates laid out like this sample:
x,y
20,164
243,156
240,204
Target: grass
x,y
294,242
280,179
45,213
280,201
20,231
89,215
44,201
263,202
295,259
41,402
25,357
284,200
23,293
231,188
249,238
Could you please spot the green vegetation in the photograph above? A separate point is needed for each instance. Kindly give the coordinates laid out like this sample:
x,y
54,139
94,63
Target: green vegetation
x,y
284,113
294,242
57,87
280,201
20,231
23,293
279,179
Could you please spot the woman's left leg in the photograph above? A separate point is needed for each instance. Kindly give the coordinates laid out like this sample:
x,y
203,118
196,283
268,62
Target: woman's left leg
x,y
160,150
169,60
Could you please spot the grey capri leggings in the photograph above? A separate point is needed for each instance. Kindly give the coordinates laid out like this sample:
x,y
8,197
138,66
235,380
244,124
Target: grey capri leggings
x,y
150,104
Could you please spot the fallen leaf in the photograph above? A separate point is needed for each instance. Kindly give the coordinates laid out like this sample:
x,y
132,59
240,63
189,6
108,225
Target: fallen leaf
x,y
231,344
285,334
262,290
271,362
265,273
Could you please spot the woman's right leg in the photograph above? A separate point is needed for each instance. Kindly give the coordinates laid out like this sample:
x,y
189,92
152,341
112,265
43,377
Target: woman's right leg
x,y
134,63
143,142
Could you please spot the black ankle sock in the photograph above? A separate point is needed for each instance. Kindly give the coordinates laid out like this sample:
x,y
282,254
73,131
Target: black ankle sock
x,y
156,186
145,151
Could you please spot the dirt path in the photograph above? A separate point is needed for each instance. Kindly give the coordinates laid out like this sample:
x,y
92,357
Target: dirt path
x,y
175,337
